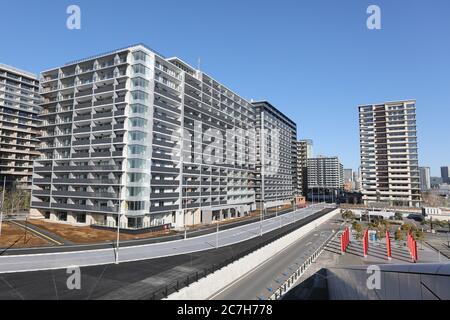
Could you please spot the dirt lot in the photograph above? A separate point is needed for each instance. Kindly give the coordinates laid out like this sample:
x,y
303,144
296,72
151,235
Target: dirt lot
x,y
13,236
90,235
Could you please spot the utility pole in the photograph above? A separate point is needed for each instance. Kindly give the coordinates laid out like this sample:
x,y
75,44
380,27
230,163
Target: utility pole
x,y
3,204
217,237
118,232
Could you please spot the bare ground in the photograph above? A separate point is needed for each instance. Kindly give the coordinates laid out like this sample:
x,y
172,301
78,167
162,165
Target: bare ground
x,y
14,237
83,235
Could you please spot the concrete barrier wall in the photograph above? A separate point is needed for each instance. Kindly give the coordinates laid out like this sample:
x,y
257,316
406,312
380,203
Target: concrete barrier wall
x,y
397,282
213,283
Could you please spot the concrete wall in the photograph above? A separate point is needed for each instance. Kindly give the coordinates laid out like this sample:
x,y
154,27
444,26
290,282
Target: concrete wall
x,y
397,282
208,286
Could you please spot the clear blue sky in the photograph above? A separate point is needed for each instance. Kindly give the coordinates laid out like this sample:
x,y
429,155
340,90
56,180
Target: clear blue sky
x,y
314,59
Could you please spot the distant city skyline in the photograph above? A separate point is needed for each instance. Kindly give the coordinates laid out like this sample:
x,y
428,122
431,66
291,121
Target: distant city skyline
x,y
315,60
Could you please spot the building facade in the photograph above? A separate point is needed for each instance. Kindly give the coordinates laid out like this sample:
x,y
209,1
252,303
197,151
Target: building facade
x,y
149,139
445,174
304,152
389,153
325,173
19,109
425,179
276,154
349,183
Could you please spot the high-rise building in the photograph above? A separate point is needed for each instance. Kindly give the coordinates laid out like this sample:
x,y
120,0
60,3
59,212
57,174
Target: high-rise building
x,y
445,174
133,134
304,152
348,180
325,173
357,179
276,154
389,154
425,179
348,175
19,109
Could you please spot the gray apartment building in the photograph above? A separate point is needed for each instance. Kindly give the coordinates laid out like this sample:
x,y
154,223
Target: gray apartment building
x,y
425,179
19,109
325,173
149,139
304,152
389,153
445,174
276,156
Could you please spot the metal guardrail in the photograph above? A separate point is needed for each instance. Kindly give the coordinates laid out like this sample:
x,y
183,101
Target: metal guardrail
x,y
292,280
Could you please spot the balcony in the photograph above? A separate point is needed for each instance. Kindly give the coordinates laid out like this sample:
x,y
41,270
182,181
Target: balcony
x,y
103,115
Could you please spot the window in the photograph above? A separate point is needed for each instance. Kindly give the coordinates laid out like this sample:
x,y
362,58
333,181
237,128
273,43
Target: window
x,y
137,163
137,135
138,122
62,216
137,177
139,55
135,191
138,108
137,150
140,82
81,218
140,69
136,205
139,95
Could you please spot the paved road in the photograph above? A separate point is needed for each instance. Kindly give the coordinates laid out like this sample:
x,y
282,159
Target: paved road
x,y
60,260
258,283
71,247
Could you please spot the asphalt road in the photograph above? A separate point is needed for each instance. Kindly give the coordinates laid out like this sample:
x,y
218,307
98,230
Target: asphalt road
x,y
62,260
145,279
258,284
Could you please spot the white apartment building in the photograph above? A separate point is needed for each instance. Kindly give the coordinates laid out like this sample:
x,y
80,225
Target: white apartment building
x,y
149,139
389,153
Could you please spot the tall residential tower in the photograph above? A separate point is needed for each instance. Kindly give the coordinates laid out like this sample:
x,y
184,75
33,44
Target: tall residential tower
x,y
276,154
304,152
19,109
389,154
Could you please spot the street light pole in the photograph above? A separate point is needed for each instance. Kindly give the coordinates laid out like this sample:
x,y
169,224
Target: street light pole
x,y
217,237
118,232
3,204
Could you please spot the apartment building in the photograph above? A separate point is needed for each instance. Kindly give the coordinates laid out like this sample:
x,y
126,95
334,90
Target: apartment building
x,y
19,109
149,139
425,179
445,174
325,173
304,152
389,154
276,154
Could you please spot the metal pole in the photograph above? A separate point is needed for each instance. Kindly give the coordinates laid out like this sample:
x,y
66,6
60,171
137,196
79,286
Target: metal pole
x,y
448,242
118,233
3,204
217,237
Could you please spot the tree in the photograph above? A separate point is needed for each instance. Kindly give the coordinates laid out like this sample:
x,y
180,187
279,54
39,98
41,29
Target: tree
x,y
398,235
358,228
419,235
